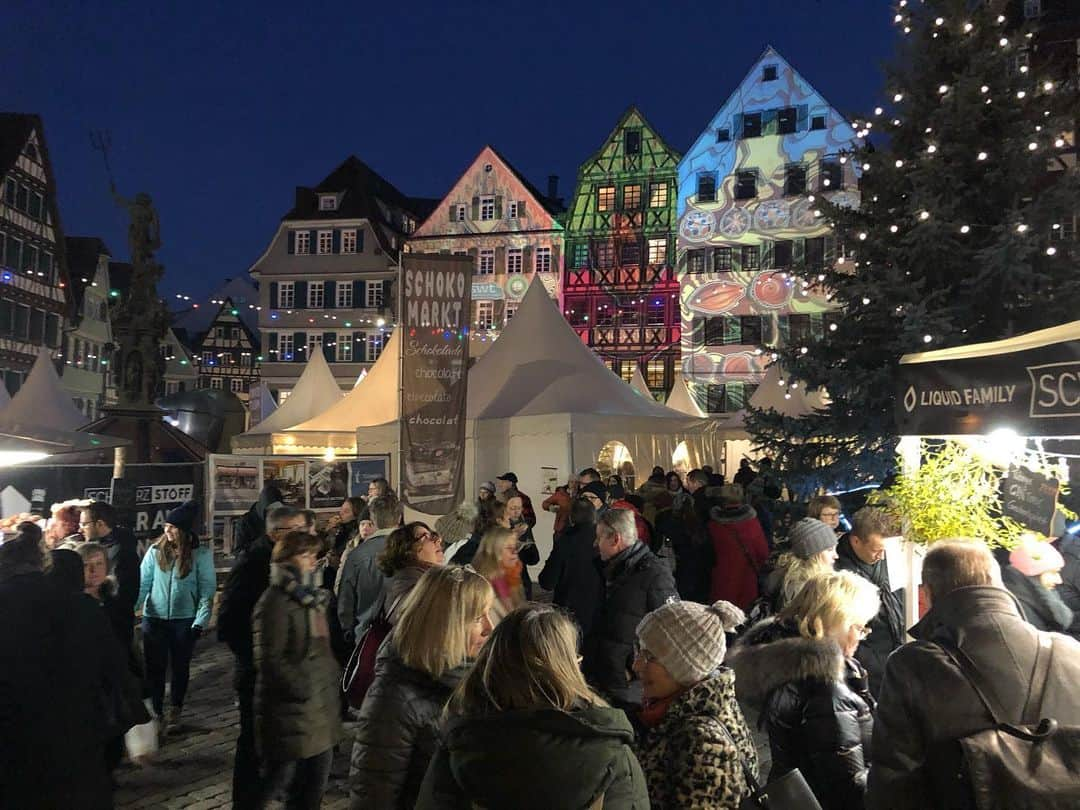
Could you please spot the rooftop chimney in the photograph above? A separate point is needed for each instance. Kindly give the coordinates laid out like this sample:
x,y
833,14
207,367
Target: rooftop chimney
x,y
553,186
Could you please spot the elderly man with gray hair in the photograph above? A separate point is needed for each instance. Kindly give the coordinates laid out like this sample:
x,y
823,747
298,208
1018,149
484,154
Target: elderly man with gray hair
x,y
927,702
636,582
361,583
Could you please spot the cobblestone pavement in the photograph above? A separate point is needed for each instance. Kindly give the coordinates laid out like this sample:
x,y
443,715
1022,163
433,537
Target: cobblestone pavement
x,y
194,769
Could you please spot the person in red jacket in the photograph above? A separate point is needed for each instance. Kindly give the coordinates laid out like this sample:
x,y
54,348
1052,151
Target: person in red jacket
x,y
559,503
739,548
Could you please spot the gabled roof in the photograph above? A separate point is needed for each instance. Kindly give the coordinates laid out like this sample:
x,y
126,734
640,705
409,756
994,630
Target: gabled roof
x,y
227,304
630,112
552,206
82,257
361,191
244,295
15,129
42,400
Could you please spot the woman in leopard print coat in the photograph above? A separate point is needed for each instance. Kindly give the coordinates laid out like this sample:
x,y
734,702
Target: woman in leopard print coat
x,y
696,742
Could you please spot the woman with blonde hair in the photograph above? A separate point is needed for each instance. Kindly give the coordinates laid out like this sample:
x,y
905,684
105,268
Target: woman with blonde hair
x,y
798,669
297,698
443,623
524,730
177,583
812,551
497,560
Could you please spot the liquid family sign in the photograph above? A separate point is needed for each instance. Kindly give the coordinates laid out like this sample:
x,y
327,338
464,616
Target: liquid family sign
x,y
1030,384
435,305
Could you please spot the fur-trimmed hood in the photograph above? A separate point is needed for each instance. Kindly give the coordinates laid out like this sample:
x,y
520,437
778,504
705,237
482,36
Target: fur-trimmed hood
x,y
732,514
772,654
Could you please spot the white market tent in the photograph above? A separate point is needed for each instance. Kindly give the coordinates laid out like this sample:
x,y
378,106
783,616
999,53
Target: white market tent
x,y
315,391
777,393
637,382
680,398
42,400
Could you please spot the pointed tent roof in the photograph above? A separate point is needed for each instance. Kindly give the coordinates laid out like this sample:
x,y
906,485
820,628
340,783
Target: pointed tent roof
x,y
773,393
266,403
42,400
680,398
637,382
315,392
373,401
540,366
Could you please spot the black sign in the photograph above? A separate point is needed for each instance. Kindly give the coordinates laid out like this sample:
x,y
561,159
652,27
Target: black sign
x,y
1029,498
1035,392
436,294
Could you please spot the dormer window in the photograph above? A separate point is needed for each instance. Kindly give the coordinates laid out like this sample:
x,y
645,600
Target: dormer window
x,y
768,73
328,202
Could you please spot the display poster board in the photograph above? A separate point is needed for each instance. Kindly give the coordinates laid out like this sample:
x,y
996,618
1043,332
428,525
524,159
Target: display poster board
x,y
328,484
235,481
1030,498
363,471
550,478
289,475
436,306
157,488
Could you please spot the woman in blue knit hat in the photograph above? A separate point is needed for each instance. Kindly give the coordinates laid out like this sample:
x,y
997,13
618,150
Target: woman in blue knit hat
x,y
176,594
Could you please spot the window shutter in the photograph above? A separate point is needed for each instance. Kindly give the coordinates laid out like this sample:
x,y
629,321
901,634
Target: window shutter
x,y
765,255
386,286
292,241
556,259
359,240
300,288
783,330
313,242
271,342
335,244
473,252
359,350
798,252
521,209
737,125
330,294
358,295
453,213
328,348
498,207
274,294
527,259
475,208
830,249
732,330
500,259
299,347
768,122
817,325
801,120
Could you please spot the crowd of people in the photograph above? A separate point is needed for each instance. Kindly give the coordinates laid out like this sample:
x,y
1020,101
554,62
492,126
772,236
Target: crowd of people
x,y
678,613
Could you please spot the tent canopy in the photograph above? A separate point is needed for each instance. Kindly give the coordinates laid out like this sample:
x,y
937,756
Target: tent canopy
x,y
680,399
777,393
315,392
42,400
637,382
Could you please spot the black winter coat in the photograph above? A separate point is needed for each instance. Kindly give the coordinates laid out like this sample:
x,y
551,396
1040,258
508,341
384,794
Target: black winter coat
x,y
397,733
249,577
815,706
693,554
1069,589
60,666
636,582
571,572
887,628
122,551
927,704
253,523
1044,608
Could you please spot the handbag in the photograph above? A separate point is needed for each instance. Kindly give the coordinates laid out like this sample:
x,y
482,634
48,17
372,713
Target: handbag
x,y
1031,764
787,792
360,670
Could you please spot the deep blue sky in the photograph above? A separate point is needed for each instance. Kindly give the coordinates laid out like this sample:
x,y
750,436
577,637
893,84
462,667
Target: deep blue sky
x,y
220,109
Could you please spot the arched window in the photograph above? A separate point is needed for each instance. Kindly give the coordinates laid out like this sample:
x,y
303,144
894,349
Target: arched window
x,y
615,459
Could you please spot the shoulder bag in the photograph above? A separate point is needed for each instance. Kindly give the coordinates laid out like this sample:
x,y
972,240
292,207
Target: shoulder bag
x,y
360,671
787,792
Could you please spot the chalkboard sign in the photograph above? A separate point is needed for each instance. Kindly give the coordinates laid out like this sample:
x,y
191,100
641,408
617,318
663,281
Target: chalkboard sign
x,y
122,497
1029,498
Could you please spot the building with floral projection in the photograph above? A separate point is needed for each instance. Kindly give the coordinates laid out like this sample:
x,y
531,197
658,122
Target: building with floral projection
x,y
510,230
619,288
751,238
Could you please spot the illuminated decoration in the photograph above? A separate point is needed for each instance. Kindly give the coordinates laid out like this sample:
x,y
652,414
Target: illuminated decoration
x,y
508,228
751,239
620,291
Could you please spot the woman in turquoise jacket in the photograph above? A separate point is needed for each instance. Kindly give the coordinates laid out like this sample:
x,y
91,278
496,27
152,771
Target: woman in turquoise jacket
x,y
176,594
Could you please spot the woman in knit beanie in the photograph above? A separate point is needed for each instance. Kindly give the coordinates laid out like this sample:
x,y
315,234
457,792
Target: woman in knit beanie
x,y
696,740
1032,576
812,551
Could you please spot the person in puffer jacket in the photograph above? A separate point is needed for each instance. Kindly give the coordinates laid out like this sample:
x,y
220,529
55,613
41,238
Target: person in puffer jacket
x,y
177,584
696,743
798,670
525,732
297,679
439,631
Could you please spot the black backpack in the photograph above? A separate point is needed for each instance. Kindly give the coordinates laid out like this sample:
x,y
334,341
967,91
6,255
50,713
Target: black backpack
x,y
1034,763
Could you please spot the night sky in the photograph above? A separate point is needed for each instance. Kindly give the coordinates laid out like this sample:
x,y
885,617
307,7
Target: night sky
x,y
220,109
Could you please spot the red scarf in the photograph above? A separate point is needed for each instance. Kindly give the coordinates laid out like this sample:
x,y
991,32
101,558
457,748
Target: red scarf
x,y
508,585
653,711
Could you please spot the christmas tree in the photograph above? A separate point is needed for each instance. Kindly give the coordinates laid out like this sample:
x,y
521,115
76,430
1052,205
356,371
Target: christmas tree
x,y
964,232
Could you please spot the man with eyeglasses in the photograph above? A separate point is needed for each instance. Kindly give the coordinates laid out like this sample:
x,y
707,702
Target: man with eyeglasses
x,y
636,582
250,576
862,551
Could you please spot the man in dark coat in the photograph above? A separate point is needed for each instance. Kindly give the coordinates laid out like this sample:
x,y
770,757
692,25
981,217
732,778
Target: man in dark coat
x,y
59,672
862,551
1069,590
97,523
253,523
571,570
250,576
636,582
927,704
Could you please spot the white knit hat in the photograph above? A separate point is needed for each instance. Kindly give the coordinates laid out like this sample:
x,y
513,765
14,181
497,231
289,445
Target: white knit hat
x,y
687,638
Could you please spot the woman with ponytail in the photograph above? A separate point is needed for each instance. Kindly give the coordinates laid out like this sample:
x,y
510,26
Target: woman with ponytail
x,y
696,743
176,594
